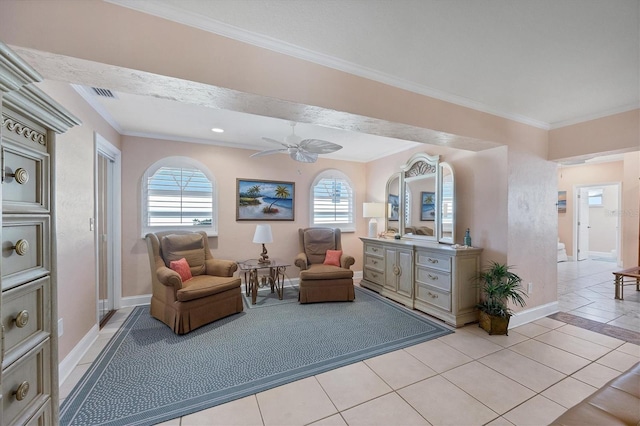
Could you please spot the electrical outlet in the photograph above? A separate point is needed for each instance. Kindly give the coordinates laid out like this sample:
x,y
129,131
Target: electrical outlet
x,y
60,327
530,288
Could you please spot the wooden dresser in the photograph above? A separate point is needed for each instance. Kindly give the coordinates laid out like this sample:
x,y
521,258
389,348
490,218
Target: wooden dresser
x,y
433,278
28,315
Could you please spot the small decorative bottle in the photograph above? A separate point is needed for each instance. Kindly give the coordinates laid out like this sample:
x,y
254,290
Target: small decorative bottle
x,y
467,238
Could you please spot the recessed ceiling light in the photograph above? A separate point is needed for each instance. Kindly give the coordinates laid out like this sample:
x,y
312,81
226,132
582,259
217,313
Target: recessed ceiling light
x,y
217,130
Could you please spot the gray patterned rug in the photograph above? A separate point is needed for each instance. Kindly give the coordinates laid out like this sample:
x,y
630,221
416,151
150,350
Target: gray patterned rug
x,y
147,374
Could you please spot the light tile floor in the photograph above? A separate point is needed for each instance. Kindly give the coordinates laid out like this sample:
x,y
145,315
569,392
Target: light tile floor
x,y
529,377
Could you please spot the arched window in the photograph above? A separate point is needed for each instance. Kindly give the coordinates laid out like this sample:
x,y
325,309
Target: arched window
x,y
179,192
332,201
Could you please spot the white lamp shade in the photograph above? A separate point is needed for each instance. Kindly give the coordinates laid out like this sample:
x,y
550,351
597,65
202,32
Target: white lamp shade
x,y
263,234
373,209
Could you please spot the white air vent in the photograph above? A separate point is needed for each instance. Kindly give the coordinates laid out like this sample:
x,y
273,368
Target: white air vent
x,y
105,93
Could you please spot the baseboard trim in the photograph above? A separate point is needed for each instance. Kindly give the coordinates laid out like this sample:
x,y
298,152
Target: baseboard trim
x,y
529,315
127,302
73,358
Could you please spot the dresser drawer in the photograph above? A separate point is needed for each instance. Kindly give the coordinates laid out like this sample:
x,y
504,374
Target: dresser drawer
x,y
41,417
433,260
434,278
26,385
373,275
373,250
25,249
24,318
23,186
374,262
435,297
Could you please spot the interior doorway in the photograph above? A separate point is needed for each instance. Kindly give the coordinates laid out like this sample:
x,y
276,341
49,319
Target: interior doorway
x,y
107,228
597,222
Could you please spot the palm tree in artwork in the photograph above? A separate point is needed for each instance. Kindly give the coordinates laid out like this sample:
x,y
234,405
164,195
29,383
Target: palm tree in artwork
x,y
254,191
281,193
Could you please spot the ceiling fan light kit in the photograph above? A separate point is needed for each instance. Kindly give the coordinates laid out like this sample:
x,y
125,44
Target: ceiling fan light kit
x,y
302,150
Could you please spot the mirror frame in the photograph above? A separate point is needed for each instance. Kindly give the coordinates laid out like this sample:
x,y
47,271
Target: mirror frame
x,y
449,239
420,164
395,176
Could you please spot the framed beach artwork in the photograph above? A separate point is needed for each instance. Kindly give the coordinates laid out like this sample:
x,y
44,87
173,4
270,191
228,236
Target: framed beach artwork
x,y
562,201
428,205
264,200
394,207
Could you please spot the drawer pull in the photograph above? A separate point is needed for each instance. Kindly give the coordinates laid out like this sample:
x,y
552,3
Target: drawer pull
x,y
433,296
432,260
22,391
433,277
374,275
375,262
396,270
374,249
21,247
22,318
21,175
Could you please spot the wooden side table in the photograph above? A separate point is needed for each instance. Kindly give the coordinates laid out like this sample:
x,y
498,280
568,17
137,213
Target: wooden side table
x,y
272,275
633,274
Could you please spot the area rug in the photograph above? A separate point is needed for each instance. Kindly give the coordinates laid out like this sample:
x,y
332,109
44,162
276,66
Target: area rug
x,y
147,374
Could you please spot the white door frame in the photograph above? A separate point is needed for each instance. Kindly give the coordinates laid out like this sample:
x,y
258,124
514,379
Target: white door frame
x,y
576,191
105,148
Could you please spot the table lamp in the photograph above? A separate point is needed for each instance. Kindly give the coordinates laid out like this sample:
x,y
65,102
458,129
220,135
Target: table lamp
x,y
374,211
262,236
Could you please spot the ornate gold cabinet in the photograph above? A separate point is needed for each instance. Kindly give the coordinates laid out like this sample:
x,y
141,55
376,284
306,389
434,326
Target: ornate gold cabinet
x,y
434,278
29,350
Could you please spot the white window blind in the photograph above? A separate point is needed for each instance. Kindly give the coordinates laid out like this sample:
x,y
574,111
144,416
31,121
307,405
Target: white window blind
x,y
177,194
332,201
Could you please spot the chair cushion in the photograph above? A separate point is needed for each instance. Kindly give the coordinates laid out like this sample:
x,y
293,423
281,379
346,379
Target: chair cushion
x,y
333,257
317,242
182,268
205,285
325,272
189,246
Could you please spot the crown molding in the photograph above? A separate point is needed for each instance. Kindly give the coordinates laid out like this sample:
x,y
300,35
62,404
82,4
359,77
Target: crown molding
x,y
181,16
595,116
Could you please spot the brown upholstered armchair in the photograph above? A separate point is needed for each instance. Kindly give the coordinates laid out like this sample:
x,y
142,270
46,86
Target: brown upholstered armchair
x,y
320,282
212,292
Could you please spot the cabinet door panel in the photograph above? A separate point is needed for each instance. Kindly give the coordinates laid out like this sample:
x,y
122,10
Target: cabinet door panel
x,y
391,269
405,278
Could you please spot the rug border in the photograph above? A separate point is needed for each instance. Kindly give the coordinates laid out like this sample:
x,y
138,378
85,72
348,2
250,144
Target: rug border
x,y
183,408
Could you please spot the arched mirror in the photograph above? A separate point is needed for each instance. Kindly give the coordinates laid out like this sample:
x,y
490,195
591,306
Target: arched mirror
x,y
447,199
419,183
393,204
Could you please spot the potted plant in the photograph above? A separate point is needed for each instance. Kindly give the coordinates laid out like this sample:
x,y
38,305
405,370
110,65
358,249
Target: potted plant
x,y
499,286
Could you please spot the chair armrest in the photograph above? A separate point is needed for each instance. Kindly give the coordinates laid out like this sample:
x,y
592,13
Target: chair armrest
x,y
346,261
169,277
220,267
301,261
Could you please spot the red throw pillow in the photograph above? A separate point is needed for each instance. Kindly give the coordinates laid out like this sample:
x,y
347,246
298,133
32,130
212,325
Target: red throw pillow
x,y
181,267
332,257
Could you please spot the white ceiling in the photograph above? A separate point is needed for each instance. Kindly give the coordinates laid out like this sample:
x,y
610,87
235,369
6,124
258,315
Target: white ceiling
x,y
547,63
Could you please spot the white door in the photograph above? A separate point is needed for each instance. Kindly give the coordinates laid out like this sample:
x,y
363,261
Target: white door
x,y
583,224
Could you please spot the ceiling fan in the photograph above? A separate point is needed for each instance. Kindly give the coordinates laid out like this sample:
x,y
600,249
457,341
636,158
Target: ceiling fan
x,y
303,150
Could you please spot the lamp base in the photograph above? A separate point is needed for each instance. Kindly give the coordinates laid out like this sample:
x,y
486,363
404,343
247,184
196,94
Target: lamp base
x,y
373,228
263,257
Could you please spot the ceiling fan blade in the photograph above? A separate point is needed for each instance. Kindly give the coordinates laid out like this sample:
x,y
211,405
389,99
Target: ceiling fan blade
x,y
318,146
303,157
268,152
275,141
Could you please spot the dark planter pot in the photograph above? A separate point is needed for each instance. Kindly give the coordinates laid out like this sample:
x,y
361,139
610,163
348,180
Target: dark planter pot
x,y
493,324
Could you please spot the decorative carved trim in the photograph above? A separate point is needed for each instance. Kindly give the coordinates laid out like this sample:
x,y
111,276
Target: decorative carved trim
x,y
420,168
23,130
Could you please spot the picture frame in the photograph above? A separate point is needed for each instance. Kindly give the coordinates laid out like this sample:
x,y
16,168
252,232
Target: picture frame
x,y
562,201
259,199
427,206
394,207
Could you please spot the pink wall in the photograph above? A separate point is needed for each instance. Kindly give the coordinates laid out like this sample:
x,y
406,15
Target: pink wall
x,y
74,242
615,133
234,239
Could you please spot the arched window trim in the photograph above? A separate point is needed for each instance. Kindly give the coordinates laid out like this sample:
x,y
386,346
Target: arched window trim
x,y
186,162
333,174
